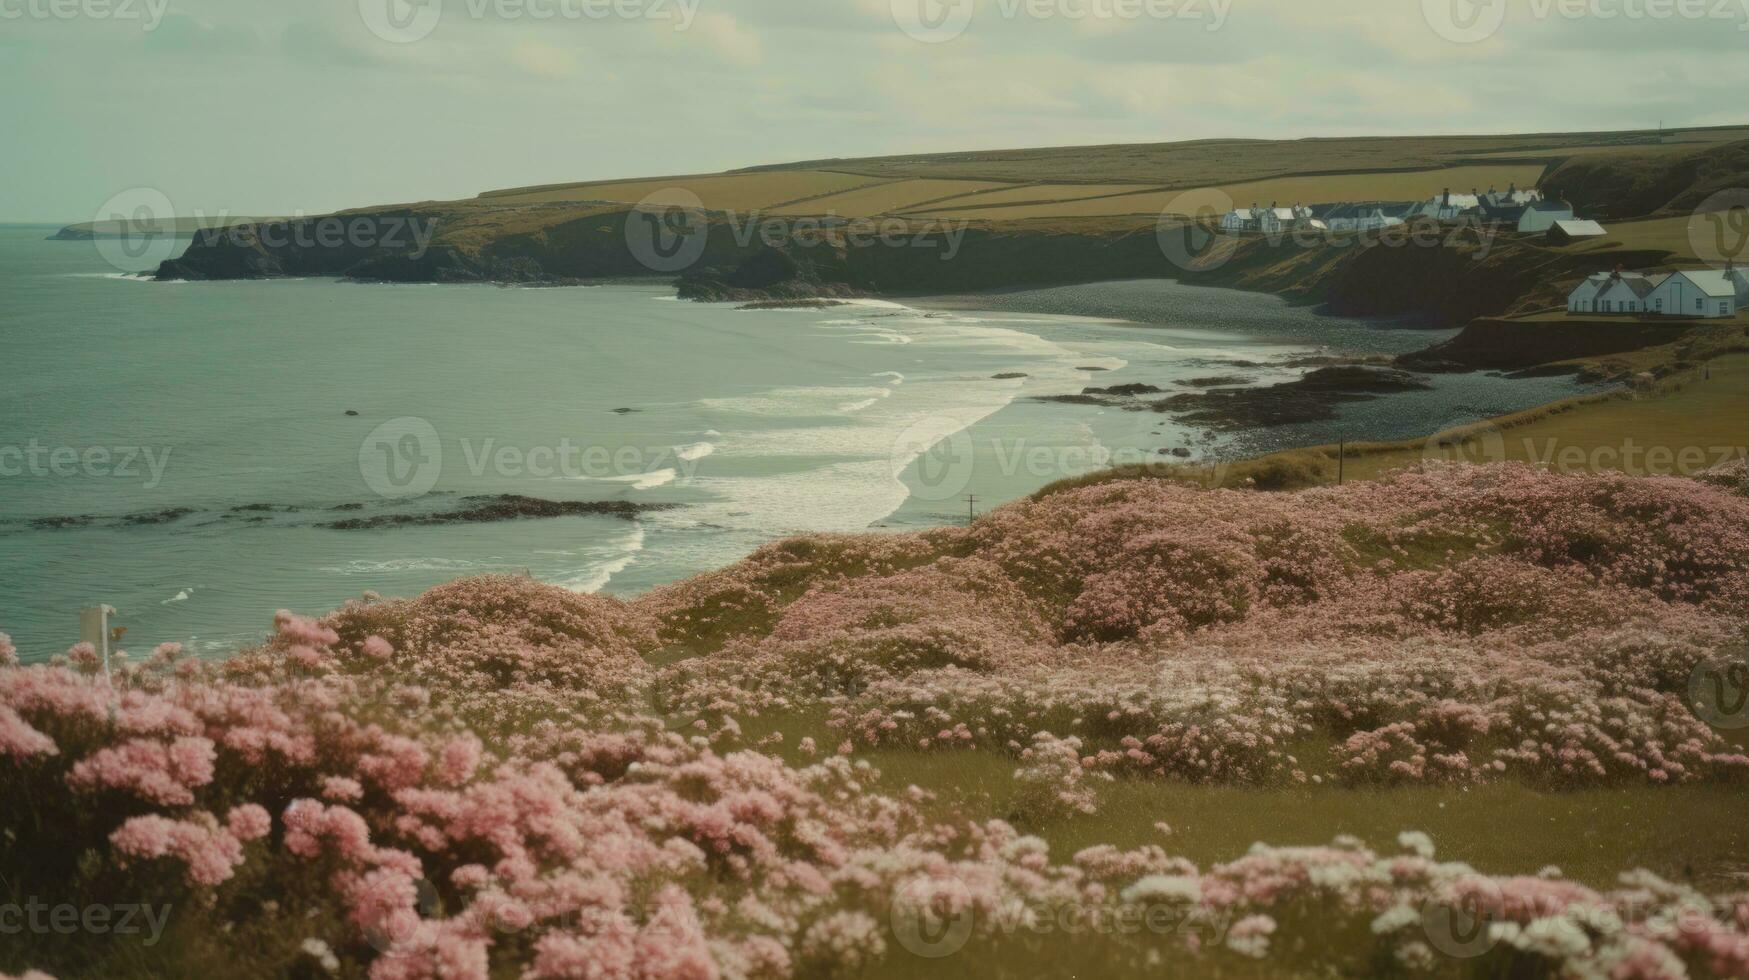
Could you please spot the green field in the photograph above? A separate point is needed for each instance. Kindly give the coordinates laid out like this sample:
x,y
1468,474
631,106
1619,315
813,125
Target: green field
x,y
1138,179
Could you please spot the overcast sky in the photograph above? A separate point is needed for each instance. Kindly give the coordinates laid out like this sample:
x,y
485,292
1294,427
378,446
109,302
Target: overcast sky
x,y
277,106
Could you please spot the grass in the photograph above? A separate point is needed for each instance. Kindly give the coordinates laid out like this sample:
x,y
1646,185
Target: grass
x,y
722,192
886,198
1686,424
1204,163
1696,414
1669,235
1685,833
1051,200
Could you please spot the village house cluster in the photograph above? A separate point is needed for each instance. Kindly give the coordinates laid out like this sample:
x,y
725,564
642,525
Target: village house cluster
x,y
1694,293
1710,294
1525,211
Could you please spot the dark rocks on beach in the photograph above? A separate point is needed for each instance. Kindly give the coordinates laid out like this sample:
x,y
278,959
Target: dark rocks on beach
x,y
501,507
1362,379
625,411
1313,398
351,414
1218,381
1009,376
793,304
1073,399
1092,369
1123,391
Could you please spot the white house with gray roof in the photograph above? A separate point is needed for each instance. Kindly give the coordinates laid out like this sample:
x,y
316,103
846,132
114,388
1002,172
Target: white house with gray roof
x,y
1710,294
1704,293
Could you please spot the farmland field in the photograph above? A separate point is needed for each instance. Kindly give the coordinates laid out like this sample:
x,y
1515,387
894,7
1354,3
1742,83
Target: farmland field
x,y
1414,186
1084,182
724,192
1655,234
1214,162
884,198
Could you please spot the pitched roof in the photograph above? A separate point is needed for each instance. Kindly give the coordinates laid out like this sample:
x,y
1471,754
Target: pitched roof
x,y
1640,286
1580,229
1713,282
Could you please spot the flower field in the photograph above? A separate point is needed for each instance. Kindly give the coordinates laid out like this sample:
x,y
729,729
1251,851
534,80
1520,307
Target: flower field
x,y
916,755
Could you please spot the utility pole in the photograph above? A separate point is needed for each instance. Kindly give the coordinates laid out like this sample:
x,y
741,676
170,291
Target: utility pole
x,y
971,508
1341,461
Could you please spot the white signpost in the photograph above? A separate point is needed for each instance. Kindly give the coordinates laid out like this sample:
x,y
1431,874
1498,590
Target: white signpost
x,y
94,629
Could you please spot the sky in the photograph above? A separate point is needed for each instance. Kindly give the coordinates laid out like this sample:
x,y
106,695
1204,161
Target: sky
x,y
252,107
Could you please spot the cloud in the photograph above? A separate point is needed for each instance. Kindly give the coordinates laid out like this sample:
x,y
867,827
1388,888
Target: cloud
x,y
544,60
764,81
731,42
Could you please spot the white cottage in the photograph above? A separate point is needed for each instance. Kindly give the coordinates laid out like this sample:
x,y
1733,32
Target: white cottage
x,y
1612,292
1702,293
1624,292
1239,219
1540,216
1568,232
1583,299
1448,206
1270,220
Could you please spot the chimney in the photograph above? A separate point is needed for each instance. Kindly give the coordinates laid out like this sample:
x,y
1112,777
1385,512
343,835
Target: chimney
x,y
1616,275
1447,201
1513,188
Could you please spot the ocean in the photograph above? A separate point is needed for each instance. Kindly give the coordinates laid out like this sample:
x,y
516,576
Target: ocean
x,y
181,451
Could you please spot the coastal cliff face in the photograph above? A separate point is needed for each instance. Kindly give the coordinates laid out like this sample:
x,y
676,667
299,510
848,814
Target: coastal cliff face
x,y
1449,282
1444,278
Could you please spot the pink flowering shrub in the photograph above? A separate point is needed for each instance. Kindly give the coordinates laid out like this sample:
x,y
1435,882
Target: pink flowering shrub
x,y
500,778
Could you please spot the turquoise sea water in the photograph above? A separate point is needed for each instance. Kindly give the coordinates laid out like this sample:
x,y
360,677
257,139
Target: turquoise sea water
x,y
173,449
